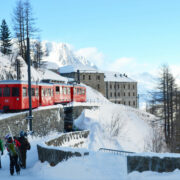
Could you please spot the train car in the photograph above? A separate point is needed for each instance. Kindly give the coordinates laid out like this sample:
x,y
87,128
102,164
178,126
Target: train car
x,y
62,93
14,95
78,93
46,95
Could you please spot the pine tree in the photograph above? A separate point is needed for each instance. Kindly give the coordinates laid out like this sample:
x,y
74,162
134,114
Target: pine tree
x,y
5,38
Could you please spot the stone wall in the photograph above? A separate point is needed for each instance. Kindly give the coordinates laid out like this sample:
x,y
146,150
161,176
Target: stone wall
x,y
144,163
68,137
44,121
54,156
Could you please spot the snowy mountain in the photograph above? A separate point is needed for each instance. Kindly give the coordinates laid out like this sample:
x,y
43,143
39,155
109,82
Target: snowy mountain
x,y
62,54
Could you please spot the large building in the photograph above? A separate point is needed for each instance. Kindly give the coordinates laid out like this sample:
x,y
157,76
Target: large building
x,y
121,89
116,87
86,75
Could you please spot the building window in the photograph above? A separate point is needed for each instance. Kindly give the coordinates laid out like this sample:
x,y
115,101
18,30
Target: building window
x,y
129,103
133,93
134,103
115,94
111,94
110,86
128,86
124,87
118,94
98,86
118,86
124,103
89,77
129,94
124,94
98,77
133,86
83,77
115,86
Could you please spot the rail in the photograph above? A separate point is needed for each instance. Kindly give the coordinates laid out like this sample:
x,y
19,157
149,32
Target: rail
x,y
116,151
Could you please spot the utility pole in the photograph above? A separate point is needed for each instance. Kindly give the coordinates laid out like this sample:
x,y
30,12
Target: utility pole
x,y
29,118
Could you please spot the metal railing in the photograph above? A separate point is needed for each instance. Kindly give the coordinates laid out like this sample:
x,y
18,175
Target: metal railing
x,y
117,152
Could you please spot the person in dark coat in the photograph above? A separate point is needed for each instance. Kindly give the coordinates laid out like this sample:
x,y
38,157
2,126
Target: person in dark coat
x,y
1,150
13,155
25,145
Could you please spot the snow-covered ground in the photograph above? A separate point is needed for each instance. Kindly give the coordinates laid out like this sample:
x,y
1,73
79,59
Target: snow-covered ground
x,y
97,166
111,126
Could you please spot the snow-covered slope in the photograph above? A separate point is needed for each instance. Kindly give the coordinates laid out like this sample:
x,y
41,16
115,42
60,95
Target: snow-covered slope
x,y
118,126
8,70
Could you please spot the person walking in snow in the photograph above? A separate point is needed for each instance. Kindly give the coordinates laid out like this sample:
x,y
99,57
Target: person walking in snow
x,y
25,145
13,155
1,150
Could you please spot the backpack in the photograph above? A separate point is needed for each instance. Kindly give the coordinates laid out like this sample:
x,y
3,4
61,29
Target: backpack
x,y
11,149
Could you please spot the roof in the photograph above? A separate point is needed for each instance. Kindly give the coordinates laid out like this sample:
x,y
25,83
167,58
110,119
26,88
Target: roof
x,y
81,68
16,82
50,75
116,77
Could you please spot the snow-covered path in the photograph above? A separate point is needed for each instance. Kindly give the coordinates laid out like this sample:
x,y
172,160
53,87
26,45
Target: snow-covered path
x,y
96,166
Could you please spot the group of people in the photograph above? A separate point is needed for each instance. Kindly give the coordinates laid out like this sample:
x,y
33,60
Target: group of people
x,y
17,148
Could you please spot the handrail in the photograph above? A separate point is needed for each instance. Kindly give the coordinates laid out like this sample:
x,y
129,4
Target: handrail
x,y
118,152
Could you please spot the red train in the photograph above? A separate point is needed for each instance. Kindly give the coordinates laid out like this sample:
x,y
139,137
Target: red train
x,y
14,94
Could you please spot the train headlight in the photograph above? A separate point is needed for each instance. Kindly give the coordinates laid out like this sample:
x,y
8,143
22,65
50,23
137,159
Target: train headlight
x,y
17,99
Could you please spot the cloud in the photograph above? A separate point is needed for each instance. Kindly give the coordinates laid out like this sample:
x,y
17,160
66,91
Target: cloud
x,y
120,64
93,55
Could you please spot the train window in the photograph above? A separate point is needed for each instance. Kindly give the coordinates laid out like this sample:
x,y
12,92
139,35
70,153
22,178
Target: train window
x,y
6,92
64,90
15,92
57,89
0,92
68,90
82,91
46,92
74,90
52,92
61,90
33,91
37,92
49,92
77,91
24,91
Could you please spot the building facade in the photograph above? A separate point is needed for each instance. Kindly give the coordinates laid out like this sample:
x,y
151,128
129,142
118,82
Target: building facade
x,y
90,77
116,87
120,89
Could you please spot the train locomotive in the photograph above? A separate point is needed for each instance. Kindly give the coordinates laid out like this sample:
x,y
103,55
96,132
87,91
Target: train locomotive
x,y
14,94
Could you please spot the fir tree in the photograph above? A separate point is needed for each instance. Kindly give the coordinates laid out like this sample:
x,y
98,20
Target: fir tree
x,y
5,38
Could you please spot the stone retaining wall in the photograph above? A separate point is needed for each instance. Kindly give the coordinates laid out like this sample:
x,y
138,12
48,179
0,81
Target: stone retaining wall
x,y
144,163
44,121
68,137
54,156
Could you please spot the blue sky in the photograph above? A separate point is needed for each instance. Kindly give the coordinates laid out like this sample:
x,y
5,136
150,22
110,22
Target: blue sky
x,y
140,33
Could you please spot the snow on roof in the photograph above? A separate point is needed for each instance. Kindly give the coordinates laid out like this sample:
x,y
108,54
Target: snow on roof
x,y
117,77
47,74
16,82
73,68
